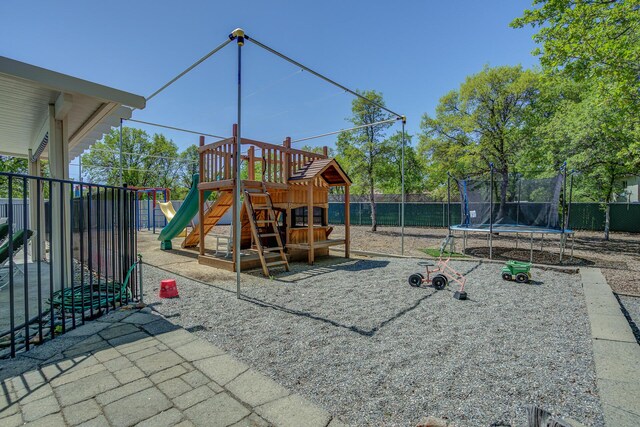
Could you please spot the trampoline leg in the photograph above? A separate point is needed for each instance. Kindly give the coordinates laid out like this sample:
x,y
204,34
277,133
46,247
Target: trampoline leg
x,y
541,242
531,253
573,242
516,240
490,246
464,242
563,241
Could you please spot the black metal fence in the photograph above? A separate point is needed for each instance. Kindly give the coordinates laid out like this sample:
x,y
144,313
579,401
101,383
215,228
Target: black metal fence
x,y
583,216
68,253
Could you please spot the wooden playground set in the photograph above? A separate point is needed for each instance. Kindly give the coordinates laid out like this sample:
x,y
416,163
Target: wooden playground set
x,y
284,212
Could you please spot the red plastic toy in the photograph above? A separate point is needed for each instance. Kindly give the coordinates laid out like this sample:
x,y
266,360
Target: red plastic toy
x,y
168,289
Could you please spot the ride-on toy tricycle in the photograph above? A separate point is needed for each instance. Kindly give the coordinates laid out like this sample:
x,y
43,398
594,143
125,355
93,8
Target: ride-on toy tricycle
x,y
517,270
443,274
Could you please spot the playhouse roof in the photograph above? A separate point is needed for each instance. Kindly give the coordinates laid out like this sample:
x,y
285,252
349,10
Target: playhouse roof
x,y
329,169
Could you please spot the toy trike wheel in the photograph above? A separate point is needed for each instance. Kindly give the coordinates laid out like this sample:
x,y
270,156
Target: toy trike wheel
x,y
522,277
506,276
416,279
439,282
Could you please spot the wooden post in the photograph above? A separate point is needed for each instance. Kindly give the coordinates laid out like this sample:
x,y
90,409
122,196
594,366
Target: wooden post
x,y
286,173
251,167
287,159
347,223
310,220
201,200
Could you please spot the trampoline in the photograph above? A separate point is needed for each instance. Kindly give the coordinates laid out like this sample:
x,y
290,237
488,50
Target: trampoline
x,y
516,206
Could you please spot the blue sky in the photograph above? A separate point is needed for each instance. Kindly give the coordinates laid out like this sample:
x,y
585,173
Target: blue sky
x,y
413,52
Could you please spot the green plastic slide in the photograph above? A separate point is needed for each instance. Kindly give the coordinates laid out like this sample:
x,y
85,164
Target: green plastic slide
x,y
184,215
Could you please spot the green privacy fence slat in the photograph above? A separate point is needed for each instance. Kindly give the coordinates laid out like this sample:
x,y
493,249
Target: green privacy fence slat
x,y
415,214
584,216
625,217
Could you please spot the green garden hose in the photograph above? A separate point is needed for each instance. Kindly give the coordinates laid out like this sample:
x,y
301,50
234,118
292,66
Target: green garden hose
x,y
92,297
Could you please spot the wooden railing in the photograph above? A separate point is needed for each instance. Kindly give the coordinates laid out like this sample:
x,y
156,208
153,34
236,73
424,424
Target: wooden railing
x,y
216,160
266,162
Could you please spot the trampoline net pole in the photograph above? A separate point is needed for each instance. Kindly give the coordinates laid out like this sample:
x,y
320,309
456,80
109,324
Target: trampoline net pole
x,y
449,203
491,214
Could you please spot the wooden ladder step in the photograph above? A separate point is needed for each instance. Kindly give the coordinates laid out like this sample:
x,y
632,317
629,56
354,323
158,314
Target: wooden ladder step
x,y
251,194
265,221
273,249
263,207
276,263
268,235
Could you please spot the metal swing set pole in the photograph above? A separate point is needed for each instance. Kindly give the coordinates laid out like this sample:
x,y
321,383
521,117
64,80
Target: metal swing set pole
x,y
238,35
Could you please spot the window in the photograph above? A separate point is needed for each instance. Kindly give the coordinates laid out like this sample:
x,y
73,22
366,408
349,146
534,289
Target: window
x,y
300,217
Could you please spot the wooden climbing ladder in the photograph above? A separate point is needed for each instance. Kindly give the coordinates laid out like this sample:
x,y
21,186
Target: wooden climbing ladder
x,y
251,199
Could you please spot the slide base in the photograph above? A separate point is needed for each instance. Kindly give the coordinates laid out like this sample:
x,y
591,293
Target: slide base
x,y
165,245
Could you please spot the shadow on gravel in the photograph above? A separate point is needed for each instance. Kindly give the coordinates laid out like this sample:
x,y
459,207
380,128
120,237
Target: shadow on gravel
x,y
364,332
308,271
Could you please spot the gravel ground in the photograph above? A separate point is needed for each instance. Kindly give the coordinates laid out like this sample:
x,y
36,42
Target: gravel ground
x,y
631,309
354,337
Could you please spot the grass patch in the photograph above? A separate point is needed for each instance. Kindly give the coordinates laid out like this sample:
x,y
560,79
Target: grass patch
x,y
435,252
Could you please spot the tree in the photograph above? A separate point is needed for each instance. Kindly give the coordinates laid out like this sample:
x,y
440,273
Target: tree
x,y
593,45
13,164
390,171
189,161
319,150
595,142
482,123
146,162
593,40
363,152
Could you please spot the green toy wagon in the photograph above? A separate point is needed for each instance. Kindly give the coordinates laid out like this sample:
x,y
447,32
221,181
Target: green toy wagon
x,y
517,270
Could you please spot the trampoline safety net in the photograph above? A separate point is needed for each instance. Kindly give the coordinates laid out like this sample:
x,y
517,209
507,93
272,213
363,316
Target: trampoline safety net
x,y
518,203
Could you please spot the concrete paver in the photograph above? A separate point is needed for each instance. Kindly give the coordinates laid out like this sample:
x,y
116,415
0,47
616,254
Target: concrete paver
x,y
221,369
256,389
81,412
293,411
136,368
174,387
123,391
40,408
616,352
193,397
137,407
85,388
221,410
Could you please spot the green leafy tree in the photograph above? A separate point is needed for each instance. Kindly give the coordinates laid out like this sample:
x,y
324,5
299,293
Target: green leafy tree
x,y
189,164
483,122
319,150
11,165
594,40
595,142
390,172
595,46
365,152
146,161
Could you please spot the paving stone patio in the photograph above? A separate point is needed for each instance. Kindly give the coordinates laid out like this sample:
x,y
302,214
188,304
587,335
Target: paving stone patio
x,y
134,367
